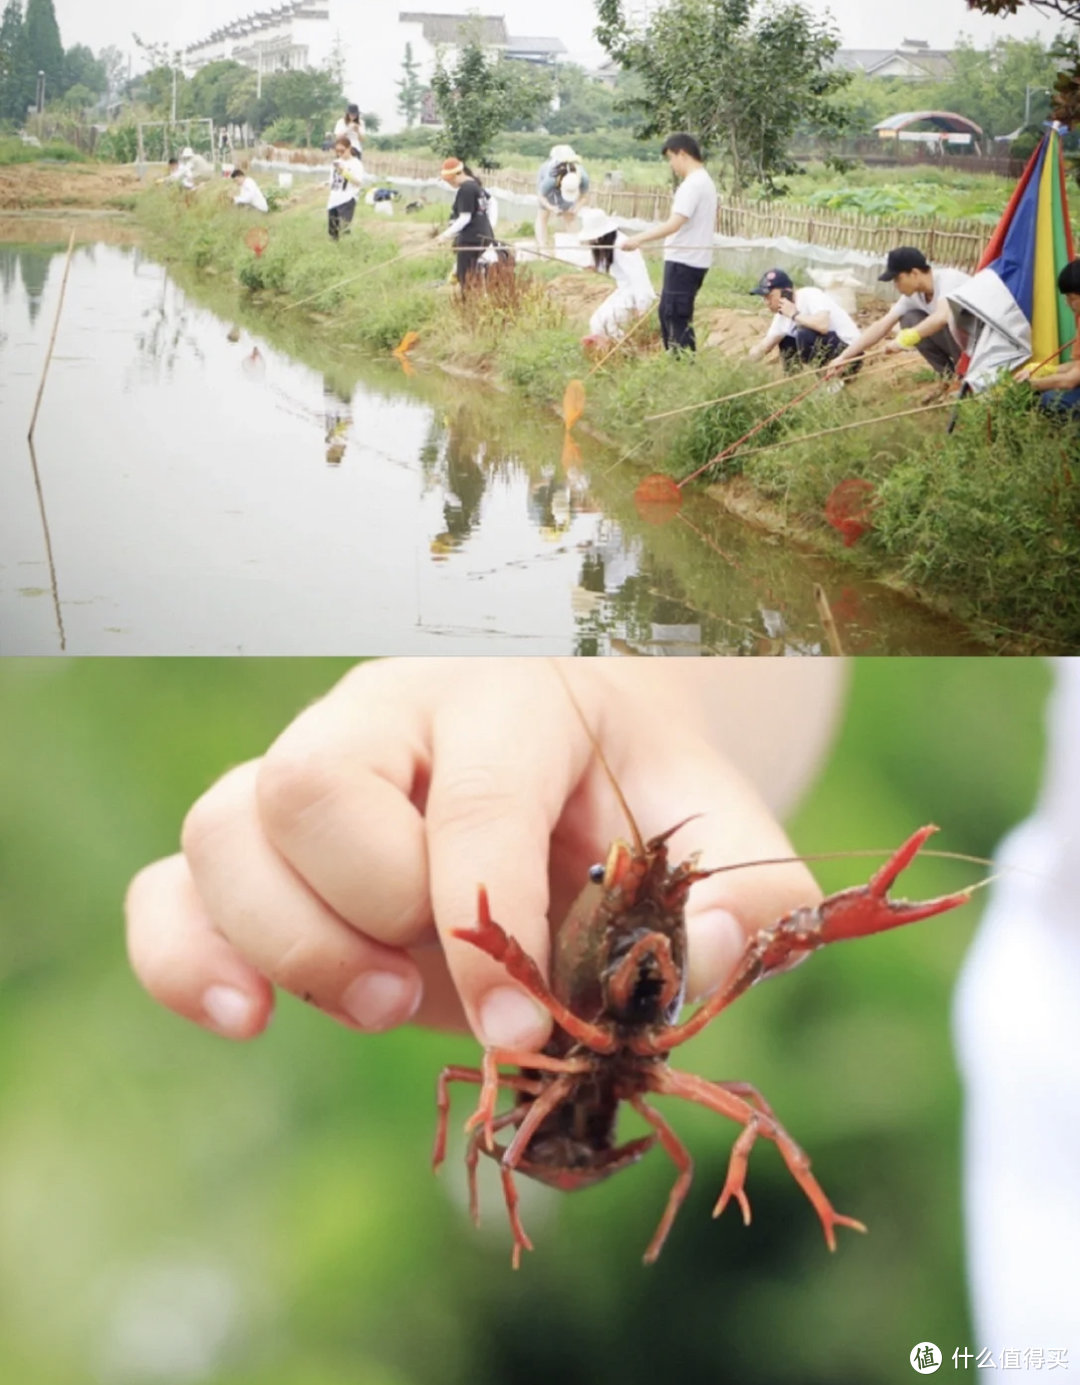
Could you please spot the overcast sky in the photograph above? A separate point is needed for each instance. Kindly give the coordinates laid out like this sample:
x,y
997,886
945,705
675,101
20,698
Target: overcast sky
x,y
863,23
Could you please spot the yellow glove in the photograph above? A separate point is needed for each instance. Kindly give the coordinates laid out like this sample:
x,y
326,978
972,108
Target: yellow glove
x,y
908,338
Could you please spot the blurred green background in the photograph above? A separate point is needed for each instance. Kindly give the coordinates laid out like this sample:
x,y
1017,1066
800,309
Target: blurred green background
x,y
175,1208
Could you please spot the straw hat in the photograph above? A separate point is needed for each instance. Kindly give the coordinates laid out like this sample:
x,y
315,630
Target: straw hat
x,y
596,223
563,154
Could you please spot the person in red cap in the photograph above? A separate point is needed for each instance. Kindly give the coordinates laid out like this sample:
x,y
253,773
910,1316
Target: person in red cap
x,y
808,326
922,313
470,229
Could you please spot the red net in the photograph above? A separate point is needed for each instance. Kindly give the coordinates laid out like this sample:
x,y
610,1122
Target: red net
x,y
848,509
657,499
257,239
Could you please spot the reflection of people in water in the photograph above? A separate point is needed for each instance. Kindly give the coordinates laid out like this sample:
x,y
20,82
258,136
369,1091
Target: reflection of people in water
x,y
549,505
337,406
254,365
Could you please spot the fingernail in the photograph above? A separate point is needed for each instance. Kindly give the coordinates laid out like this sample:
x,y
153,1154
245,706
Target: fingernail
x,y
715,942
509,1019
380,1000
228,1010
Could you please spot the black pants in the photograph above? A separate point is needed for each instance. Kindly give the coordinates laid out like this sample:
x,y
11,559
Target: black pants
x,y
810,348
681,284
942,350
341,218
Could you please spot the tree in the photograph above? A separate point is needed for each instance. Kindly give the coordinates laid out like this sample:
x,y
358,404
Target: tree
x,y
115,67
998,87
410,89
17,77
741,77
82,69
309,96
1066,101
213,86
479,97
45,51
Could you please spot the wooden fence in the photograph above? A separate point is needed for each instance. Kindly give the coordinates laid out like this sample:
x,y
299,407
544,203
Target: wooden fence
x,y
953,242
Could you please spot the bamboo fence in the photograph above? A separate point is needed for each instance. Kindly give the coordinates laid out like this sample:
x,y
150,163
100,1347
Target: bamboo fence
x,y
957,242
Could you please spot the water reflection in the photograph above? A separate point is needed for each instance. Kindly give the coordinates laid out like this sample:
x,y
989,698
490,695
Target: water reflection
x,y
216,485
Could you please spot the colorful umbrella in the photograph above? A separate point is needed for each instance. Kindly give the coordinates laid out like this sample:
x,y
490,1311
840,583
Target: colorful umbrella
x,y
1011,309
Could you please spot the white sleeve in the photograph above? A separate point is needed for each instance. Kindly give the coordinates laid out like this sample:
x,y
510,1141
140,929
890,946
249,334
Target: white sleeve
x,y
458,224
687,197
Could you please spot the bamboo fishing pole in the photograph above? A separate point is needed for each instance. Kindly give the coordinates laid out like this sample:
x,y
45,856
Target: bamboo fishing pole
x,y
874,362
730,450
371,269
52,339
843,428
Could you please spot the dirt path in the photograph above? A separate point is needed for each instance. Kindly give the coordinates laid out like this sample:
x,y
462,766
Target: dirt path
x,y
89,186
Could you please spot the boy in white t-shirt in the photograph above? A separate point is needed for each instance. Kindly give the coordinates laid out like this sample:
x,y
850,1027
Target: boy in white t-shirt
x,y
250,194
922,313
689,233
808,326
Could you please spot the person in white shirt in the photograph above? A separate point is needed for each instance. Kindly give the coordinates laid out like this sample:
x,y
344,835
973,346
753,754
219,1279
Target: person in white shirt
x,y
689,233
250,195
808,326
921,313
352,127
345,184
634,293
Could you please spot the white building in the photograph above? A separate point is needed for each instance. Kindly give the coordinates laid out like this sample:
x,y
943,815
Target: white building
x,y
369,38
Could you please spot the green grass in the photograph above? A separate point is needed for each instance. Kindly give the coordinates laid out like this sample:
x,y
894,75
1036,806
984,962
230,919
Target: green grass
x,y
13,151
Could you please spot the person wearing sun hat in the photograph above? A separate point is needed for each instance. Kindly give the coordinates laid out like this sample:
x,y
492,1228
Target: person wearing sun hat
x,y
808,326
634,293
470,228
921,313
561,188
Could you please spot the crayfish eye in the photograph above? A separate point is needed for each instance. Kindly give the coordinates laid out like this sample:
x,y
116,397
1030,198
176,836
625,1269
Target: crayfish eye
x,y
597,873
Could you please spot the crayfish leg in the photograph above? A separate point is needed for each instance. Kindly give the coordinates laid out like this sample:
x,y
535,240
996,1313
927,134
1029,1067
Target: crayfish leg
x,y
492,1079
716,1097
472,1156
442,1100
539,1110
680,1157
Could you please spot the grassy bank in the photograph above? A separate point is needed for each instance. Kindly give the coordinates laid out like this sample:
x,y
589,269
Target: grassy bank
x,y
984,521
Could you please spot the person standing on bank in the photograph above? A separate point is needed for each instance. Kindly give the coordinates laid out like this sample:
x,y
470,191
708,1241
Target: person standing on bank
x,y
345,184
352,127
688,232
561,188
470,229
922,313
808,326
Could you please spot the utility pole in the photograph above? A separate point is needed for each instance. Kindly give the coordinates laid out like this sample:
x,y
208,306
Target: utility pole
x,y
40,92
1027,102
175,78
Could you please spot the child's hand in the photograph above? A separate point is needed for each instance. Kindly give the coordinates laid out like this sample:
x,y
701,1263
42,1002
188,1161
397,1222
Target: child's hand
x,y
338,865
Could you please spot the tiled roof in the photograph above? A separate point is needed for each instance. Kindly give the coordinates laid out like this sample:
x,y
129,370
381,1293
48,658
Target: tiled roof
x,y
447,28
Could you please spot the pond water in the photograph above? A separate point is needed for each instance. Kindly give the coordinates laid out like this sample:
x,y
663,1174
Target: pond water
x,y
201,484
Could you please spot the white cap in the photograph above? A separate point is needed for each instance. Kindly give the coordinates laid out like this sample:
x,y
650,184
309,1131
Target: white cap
x,y
187,152
563,154
570,187
596,223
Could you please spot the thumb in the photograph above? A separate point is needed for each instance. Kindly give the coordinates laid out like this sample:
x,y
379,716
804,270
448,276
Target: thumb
x,y
735,828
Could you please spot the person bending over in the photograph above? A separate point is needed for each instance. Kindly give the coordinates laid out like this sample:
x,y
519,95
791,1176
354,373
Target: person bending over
x,y
808,326
634,293
922,313
1059,392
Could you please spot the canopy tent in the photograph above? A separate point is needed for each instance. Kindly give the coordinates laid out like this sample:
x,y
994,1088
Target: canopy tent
x,y
1011,312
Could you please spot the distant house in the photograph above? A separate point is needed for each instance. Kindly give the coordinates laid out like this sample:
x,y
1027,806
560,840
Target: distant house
x,y
543,52
914,61
370,38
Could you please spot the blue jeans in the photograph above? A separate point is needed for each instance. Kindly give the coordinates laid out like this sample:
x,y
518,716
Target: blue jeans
x,y
1060,401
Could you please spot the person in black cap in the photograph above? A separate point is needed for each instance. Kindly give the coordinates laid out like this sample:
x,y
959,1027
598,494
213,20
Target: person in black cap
x,y
922,313
808,326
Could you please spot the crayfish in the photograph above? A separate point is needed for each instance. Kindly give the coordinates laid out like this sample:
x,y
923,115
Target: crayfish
x,y
618,984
